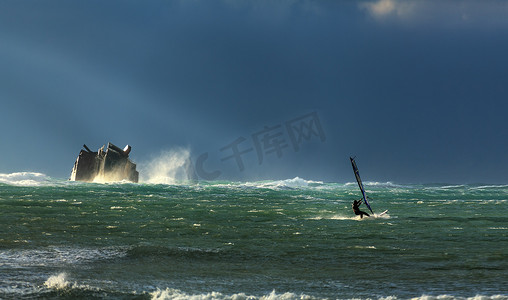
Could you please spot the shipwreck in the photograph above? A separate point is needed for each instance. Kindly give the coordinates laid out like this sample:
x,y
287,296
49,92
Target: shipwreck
x,y
112,164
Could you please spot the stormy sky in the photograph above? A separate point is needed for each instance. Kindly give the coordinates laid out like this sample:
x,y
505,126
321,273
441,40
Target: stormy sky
x,y
416,90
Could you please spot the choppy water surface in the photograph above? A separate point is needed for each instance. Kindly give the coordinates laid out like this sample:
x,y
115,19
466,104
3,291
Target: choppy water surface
x,y
287,239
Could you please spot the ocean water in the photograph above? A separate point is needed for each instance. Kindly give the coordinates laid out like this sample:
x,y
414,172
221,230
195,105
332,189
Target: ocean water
x,y
288,239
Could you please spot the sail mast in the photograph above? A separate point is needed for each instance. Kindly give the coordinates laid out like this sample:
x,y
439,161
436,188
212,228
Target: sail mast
x,y
359,181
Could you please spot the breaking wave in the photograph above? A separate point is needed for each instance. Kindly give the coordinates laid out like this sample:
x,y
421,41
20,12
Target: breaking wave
x,y
387,184
294,183
25,179
169,293
72,290
58,282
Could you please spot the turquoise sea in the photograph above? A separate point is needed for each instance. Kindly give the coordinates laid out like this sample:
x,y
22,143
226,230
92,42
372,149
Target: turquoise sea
x,y
281,239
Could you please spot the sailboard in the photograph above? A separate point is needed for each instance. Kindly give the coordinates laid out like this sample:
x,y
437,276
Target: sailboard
x,y
360,184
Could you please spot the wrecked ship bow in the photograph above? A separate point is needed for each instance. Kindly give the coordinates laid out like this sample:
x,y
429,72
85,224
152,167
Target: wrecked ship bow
x,y
113,164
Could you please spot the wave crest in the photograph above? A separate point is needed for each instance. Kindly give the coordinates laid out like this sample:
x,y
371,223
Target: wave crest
x,y
169,293
294,183
24,178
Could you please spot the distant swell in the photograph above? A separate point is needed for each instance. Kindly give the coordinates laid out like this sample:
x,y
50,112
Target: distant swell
x,y
56,256
177,252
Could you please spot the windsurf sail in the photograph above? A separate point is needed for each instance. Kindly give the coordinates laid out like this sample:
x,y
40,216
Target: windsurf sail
x,y
360,184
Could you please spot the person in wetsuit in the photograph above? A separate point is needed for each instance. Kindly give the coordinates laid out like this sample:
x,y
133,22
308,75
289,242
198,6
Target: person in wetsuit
x,y
356,209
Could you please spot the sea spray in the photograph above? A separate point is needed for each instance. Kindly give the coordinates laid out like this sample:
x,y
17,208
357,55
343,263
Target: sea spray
x,y
169,167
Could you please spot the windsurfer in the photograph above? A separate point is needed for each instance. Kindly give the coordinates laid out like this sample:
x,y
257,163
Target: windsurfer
x,y
356,209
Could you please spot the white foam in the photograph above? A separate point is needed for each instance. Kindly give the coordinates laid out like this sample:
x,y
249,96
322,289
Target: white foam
x,y
60,282
24,178
175,294
383,216
350,217
335,217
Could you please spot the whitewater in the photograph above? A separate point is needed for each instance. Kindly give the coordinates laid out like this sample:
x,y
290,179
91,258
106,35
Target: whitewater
x,y
273,239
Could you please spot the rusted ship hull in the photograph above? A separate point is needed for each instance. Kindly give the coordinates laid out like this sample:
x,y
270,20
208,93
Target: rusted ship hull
x,y
113,164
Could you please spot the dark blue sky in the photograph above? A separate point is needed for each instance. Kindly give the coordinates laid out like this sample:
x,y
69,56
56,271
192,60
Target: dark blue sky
x,y
417,90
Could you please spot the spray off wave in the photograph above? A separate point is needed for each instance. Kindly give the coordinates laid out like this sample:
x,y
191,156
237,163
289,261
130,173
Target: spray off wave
x,y
172,166
169,167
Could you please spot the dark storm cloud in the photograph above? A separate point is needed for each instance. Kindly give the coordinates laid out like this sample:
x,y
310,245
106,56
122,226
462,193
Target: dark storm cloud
x,y
415,89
